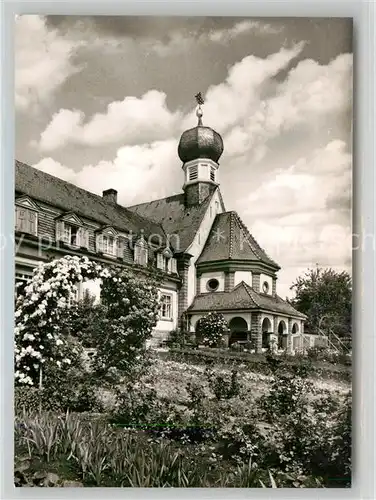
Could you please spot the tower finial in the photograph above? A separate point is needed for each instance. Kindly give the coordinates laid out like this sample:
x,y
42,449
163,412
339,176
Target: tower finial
x,y
199,113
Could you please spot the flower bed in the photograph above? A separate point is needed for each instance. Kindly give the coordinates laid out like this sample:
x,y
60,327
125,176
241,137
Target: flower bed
x,y
255,362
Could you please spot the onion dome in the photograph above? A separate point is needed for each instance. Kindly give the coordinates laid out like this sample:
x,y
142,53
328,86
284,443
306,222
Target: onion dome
x,y
200,142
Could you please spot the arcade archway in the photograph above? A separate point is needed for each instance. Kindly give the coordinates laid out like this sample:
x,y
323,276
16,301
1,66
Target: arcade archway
x,y
238,330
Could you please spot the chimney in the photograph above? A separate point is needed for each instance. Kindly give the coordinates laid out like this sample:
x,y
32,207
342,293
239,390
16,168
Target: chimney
x,y
110,195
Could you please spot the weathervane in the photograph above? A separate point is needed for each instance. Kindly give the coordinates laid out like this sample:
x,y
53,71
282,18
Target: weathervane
x,y
199,113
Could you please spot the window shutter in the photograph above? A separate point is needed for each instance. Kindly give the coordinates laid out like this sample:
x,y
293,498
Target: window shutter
x,y
99,243
168,266
160,261
120,248
173,266
32,216
144,253
137,253
59,229
85,238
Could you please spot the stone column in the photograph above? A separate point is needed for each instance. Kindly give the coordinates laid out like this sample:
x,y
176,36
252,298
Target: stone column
x,y
198,284
229,281
256,331
274,287
275,325
256,282
289,336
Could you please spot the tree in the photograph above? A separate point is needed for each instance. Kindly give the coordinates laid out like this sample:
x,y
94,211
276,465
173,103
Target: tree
x,y
325,296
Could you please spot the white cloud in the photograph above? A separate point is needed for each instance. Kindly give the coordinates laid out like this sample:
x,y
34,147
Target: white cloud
x,y
133,120
308,96
290,212
138,173
42,61
180,42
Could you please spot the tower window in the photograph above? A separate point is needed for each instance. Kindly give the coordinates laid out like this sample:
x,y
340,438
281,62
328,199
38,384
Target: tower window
x,y
212,174
212,285
193,173
265,287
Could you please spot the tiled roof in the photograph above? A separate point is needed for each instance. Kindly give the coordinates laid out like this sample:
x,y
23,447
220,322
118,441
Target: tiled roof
x,y
66,196
175,217
240,298
229,239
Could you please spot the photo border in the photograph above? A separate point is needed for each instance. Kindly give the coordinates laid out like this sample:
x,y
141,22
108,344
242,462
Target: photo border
x,y
363,14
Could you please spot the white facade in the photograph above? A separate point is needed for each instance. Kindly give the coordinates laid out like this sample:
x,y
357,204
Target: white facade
x,y
264,278
205,278
199,241
245,276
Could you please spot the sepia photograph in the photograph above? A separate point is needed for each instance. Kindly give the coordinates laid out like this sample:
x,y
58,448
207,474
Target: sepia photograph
x,y
183,252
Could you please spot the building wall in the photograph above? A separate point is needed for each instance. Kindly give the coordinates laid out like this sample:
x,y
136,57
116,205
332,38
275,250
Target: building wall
x,y
198,244
269,281
205,277
245,276
247,316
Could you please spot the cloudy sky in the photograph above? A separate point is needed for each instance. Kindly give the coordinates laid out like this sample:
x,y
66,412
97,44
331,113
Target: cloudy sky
x,y
101,102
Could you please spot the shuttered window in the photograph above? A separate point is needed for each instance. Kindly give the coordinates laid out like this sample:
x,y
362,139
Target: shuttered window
x,y
26,220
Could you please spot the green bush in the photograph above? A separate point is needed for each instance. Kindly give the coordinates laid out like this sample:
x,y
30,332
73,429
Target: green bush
x,y
210,329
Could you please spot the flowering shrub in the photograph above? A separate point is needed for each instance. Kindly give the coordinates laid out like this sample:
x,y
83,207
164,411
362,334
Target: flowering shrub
x,y
41,334
210,329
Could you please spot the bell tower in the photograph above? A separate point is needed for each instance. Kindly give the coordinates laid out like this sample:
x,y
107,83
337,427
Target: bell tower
x,y
200,149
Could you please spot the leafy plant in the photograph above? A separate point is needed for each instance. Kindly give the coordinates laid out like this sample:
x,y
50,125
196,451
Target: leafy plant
x,y
210,329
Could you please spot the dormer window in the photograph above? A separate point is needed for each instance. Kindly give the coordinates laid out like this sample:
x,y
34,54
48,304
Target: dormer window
x,y
70,230
193,173
166,262
109,243
26,216
141,253
72,235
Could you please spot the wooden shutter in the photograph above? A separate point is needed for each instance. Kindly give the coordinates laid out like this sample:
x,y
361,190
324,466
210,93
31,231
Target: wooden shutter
x,y
99,243
120,248
32,218
137,253
160,261
173,266
85,238
59,230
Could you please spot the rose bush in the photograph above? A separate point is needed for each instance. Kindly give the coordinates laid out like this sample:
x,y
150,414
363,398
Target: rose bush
x,y
41,333
210,329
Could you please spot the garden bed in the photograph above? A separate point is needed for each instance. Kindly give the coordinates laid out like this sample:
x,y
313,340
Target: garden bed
x,y
255,362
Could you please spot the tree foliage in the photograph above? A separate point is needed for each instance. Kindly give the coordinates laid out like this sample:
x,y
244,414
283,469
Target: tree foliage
x,y
325,296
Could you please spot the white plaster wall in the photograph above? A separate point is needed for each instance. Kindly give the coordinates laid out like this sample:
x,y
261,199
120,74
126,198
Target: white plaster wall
x,y
164,325
245,276
94,288
204,278
269,280
198,244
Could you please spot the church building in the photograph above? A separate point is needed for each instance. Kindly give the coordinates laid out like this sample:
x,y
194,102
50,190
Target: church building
x,y
209,259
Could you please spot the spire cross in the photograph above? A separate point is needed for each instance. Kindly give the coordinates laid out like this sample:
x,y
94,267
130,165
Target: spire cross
x,y
199,113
